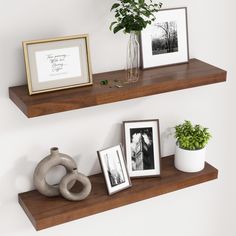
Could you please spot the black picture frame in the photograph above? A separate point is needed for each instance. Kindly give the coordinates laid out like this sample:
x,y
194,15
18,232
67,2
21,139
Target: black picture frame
x,y
142,148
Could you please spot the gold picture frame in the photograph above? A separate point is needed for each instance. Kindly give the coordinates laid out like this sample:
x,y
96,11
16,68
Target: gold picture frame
x,y
57,63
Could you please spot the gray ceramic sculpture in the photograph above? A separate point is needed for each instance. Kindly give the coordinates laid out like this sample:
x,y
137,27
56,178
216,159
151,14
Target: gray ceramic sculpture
x,y
75,176
54,159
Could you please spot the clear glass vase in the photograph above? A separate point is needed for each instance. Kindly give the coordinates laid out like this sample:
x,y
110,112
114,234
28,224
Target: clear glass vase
x,y
133,58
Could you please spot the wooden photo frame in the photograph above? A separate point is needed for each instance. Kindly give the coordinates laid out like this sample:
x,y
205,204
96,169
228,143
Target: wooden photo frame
x,y
59,63
142,147
114,169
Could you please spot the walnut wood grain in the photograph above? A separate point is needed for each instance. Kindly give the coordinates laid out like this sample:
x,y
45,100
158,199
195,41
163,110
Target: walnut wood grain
x,y
152,81
46,212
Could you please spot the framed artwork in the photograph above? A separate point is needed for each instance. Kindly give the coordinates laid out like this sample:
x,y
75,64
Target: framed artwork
x,y
58,63
142,148
114,169
165,41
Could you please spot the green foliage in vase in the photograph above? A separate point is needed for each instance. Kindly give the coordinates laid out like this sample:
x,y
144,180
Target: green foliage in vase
x,y
191,137
133,15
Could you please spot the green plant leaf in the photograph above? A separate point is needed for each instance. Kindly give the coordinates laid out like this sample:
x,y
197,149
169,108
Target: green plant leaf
x,y
191,137
134,15
117,28
113,23
115,5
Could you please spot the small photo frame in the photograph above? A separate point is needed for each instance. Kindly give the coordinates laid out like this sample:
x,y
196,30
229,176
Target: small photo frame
x,y
165,41
142,148
114,169
59,63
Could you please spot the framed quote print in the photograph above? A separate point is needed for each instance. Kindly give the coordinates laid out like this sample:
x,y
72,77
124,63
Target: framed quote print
x,y
165,41
142,148
59,63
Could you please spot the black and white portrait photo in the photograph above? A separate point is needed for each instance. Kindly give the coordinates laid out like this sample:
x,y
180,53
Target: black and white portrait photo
x,y
165,41
165,38
114,169
142,147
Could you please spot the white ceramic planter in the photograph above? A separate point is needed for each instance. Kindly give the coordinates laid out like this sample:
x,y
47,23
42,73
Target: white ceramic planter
x,y
189,161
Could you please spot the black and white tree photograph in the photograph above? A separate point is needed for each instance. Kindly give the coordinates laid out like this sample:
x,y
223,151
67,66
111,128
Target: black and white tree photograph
x,y
164,38
142,148
165,41
114,169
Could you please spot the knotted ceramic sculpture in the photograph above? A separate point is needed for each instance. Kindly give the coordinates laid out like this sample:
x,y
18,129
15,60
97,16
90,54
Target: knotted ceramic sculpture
x,y
54,159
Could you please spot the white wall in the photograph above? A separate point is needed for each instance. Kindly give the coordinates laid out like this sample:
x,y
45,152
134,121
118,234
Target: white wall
x,y
203,210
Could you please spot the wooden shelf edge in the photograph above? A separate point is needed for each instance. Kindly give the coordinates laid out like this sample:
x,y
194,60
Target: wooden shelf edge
x,y
27,212
152,81
43,224
47,215
18,101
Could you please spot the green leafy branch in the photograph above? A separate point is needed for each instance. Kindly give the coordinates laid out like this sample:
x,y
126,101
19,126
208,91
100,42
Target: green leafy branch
x,y
191,137
133,15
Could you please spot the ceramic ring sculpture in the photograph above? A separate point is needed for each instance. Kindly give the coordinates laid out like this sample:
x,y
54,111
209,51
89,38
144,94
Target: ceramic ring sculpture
x,y
54,159
75,176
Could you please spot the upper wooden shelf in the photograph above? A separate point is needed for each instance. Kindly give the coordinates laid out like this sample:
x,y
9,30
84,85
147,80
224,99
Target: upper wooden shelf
x,y
46,212
152,81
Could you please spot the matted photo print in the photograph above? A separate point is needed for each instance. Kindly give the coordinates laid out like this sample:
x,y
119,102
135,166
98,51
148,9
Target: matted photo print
x,y
165,41
142,148
114,169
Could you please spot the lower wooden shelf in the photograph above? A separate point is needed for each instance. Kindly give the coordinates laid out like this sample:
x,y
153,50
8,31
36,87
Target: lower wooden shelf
x,y
46,212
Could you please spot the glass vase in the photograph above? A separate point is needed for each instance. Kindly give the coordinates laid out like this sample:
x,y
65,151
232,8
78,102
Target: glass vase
x,y
133,58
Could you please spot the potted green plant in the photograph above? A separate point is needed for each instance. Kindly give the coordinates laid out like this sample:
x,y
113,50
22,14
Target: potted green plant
x,y
191,141
132,16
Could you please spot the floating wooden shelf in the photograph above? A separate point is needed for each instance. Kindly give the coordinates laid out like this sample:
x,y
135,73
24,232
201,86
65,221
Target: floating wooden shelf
x,y
45,212
152,81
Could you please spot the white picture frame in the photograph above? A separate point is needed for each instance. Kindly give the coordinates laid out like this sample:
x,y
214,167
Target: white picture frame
x,y
142,148
58,63
114,169
165,41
